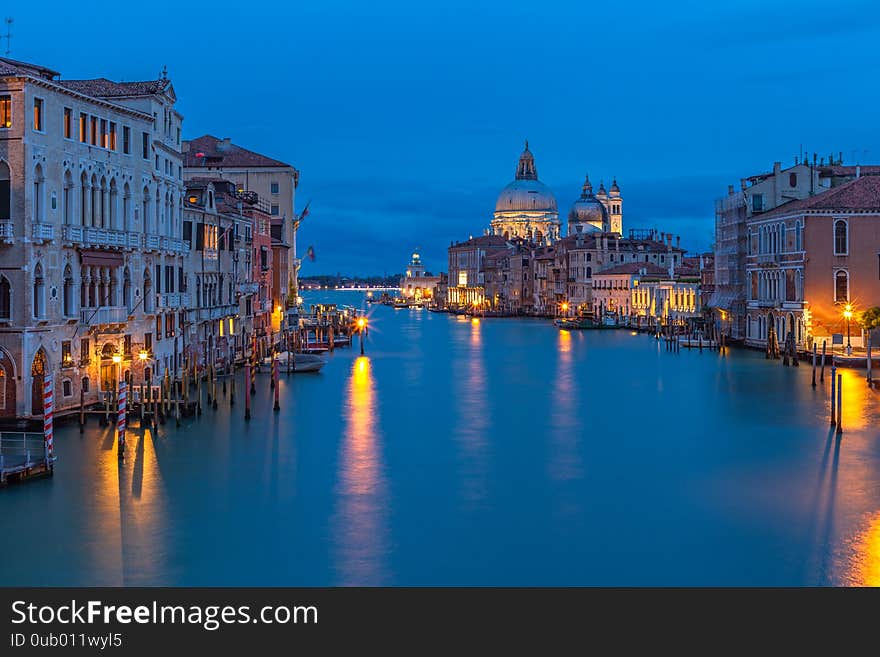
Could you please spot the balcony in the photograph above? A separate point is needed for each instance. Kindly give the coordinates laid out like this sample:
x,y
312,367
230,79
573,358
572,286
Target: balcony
x,y
100,237
152,242
105,315
42,232
217,312
172,300
6,231
250,287
768,258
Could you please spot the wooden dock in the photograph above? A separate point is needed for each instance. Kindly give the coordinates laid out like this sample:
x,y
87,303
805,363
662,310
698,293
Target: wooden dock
x,y
24,455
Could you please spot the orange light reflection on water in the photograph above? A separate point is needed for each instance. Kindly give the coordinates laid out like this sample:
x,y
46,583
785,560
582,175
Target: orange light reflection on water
x,y
360,521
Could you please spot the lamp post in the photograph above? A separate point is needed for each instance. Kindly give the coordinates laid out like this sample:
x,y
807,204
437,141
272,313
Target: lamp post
x,y
362,324
564,308
847,313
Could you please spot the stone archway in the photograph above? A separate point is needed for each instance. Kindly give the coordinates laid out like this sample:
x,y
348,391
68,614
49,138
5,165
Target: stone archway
x,y
39,370
7,386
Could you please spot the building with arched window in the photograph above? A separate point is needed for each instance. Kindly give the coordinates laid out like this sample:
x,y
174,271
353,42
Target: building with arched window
x,y
809,258
69,232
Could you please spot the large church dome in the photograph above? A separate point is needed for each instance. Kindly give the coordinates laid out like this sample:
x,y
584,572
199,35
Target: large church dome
x,y
529,195
526,192
526,208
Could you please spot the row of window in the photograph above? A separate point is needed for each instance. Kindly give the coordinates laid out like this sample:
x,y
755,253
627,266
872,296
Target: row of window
x,y
89,129
771,238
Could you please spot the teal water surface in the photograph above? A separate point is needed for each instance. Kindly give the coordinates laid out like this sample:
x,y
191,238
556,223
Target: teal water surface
x,y
498,452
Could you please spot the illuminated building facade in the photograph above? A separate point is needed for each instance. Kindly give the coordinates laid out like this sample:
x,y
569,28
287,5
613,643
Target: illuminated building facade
x,y
416,283
809,258
91,246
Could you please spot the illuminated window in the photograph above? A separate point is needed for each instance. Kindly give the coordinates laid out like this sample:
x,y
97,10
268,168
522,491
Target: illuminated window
x,y
5,111
83,128
841,286
38,114
105,139
112,144
2,387
68,123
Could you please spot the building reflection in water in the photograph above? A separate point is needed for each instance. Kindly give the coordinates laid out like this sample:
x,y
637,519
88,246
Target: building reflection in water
x,y
471,414
565,429
360,525
130,525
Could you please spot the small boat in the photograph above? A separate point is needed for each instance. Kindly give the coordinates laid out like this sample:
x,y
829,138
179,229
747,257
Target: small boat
x,y
302,362
580,324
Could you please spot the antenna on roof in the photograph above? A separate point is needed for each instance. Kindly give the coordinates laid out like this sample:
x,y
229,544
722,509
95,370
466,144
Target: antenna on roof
x,y
164,74
8,35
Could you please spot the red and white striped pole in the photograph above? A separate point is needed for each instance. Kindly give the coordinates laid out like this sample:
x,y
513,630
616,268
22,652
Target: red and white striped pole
x,y
48,411
120,420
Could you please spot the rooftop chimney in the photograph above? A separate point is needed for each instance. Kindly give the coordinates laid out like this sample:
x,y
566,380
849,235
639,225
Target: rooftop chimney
x,y
858,170
777,167
678,241
730,190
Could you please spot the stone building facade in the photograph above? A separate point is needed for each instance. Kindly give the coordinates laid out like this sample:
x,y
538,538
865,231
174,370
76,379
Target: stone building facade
x,y
91,248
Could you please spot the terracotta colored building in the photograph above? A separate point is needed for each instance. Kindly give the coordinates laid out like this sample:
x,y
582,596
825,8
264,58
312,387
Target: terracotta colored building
x,y
811,257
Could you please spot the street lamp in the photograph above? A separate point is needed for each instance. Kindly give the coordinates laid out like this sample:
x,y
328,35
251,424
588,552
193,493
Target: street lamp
x,y
362,324
847,313
565,308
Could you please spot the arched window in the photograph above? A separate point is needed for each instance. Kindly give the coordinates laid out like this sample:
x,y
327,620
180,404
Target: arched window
x,y
83,199
67,292
95,200
85,384
126,207
841,237
39,188
792,180
126,289
841,286
2,388
148,292
67,199
5,298
798,236
5,193
589,272
111,205
39,292
145,215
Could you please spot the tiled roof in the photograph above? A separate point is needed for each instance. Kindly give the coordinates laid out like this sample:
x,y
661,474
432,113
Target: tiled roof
x,y
483,241
222,153
15,68
850,170
104,88
859,195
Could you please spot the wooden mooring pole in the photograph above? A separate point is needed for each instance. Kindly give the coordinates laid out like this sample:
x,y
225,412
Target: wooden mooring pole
x,y
82,410
247,392
822,370
814,364
277,387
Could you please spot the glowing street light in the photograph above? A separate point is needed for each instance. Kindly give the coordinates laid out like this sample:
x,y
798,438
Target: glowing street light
x,y
847,314
362,324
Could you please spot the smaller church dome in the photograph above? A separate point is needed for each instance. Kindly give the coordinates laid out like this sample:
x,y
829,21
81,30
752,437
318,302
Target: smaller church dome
x,y
615,190
587,209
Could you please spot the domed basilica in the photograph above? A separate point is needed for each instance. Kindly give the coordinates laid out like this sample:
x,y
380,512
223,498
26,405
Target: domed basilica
x,y
527,209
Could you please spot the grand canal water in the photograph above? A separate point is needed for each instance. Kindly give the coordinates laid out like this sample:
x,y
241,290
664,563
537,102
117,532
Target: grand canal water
x,y
490,453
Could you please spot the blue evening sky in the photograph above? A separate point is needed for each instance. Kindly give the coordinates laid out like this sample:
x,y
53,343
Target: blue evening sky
x,y
407,118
